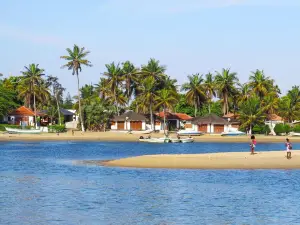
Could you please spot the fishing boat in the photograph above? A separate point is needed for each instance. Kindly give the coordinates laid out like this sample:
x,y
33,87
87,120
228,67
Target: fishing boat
x,y
189,133
155,140
22,131
233,133
175,140
186,140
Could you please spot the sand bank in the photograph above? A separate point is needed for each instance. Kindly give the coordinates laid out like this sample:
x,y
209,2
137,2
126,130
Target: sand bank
x,y
118,136
232,160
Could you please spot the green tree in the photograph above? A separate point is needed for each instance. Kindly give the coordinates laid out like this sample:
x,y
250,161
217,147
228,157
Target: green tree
x,y
77,58
154,70
195,93
68,102
147,94
251,114
166,99
209,88
289,105
130,73
226,86
32,78
115,77
260,84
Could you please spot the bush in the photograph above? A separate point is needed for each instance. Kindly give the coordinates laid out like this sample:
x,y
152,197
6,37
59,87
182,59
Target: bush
x,y
287,128
296,129
267,130
281,128
257,129
56,129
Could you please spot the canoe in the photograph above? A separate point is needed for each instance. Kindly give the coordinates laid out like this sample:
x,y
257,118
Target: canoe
x,y
233,133
186,140
22,131
175,140
189,133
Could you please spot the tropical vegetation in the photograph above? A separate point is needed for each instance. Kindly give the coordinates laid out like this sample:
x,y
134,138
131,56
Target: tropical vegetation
x,y
148,89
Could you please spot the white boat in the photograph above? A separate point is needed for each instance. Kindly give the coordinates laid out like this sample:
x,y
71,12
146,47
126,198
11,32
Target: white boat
x,y
294,134
154,140
233,133
175,140
22,131
189,133
186,140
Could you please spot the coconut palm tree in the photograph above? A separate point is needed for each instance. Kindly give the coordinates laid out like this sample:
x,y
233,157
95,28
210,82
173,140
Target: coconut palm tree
x,y
32,77
209,89
147,93
130,73
225,86
195,92
251,113
260,84
245,92
77,58
167,99
115,77
57,92
289,105
153,69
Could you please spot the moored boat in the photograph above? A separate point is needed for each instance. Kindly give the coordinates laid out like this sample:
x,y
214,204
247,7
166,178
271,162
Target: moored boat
x,y
155,140
233,133
186,140
189,133
22,131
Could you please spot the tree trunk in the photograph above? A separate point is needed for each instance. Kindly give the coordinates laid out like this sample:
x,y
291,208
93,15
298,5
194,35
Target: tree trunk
x,y
117,108
34,106
58,109
209,112
151,115
195,103
164,120
79,104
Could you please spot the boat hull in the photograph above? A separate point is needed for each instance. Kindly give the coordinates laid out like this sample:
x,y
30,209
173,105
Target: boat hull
x,y
190,133
187,140
233,134
21,131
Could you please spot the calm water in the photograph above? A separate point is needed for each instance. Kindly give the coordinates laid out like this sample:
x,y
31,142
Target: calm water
x,y
39,184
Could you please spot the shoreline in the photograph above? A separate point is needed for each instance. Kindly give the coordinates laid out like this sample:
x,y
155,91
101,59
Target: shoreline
x,y
125,137
225,160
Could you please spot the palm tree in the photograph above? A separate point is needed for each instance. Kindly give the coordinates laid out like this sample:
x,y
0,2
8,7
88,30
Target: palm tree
x,y
153,69
260,84
289,105
130,74
209,88
57,91
225,85
195,93
102,88
166,98
32,78
114,75
251,113
245,91
76,59
147,93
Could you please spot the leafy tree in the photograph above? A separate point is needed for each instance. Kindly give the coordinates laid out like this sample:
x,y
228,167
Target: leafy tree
x,y
68,102
115,77
289,105
260,84
195,93
209,89
226,86
183,107
251,113
33,84
76,58
166,99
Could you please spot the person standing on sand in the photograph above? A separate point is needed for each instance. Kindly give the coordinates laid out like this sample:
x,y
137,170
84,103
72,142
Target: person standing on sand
x,y
288,146
252,144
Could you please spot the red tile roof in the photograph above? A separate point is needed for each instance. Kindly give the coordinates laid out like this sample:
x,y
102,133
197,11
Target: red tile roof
x,y
175,116
274,117
22,111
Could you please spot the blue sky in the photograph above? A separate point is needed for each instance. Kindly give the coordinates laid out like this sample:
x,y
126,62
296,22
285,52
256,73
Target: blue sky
x,y
191,36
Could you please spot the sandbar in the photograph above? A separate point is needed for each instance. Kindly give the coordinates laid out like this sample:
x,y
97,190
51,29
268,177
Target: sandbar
x,y
226,160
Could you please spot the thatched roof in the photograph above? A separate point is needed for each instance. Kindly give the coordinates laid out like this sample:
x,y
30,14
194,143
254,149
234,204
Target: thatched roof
x,y
209,119
130,116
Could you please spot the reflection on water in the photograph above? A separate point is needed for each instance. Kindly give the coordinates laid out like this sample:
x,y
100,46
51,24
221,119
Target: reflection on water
x,y
40,185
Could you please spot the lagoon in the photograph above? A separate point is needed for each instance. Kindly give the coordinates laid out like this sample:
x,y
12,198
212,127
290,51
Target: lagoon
x,y
42,184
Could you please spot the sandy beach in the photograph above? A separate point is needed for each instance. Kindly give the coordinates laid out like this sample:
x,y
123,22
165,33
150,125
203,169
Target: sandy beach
x,y
119,136
233,160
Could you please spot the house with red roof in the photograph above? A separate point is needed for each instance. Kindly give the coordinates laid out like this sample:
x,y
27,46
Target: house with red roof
x,y
174,121
21,116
